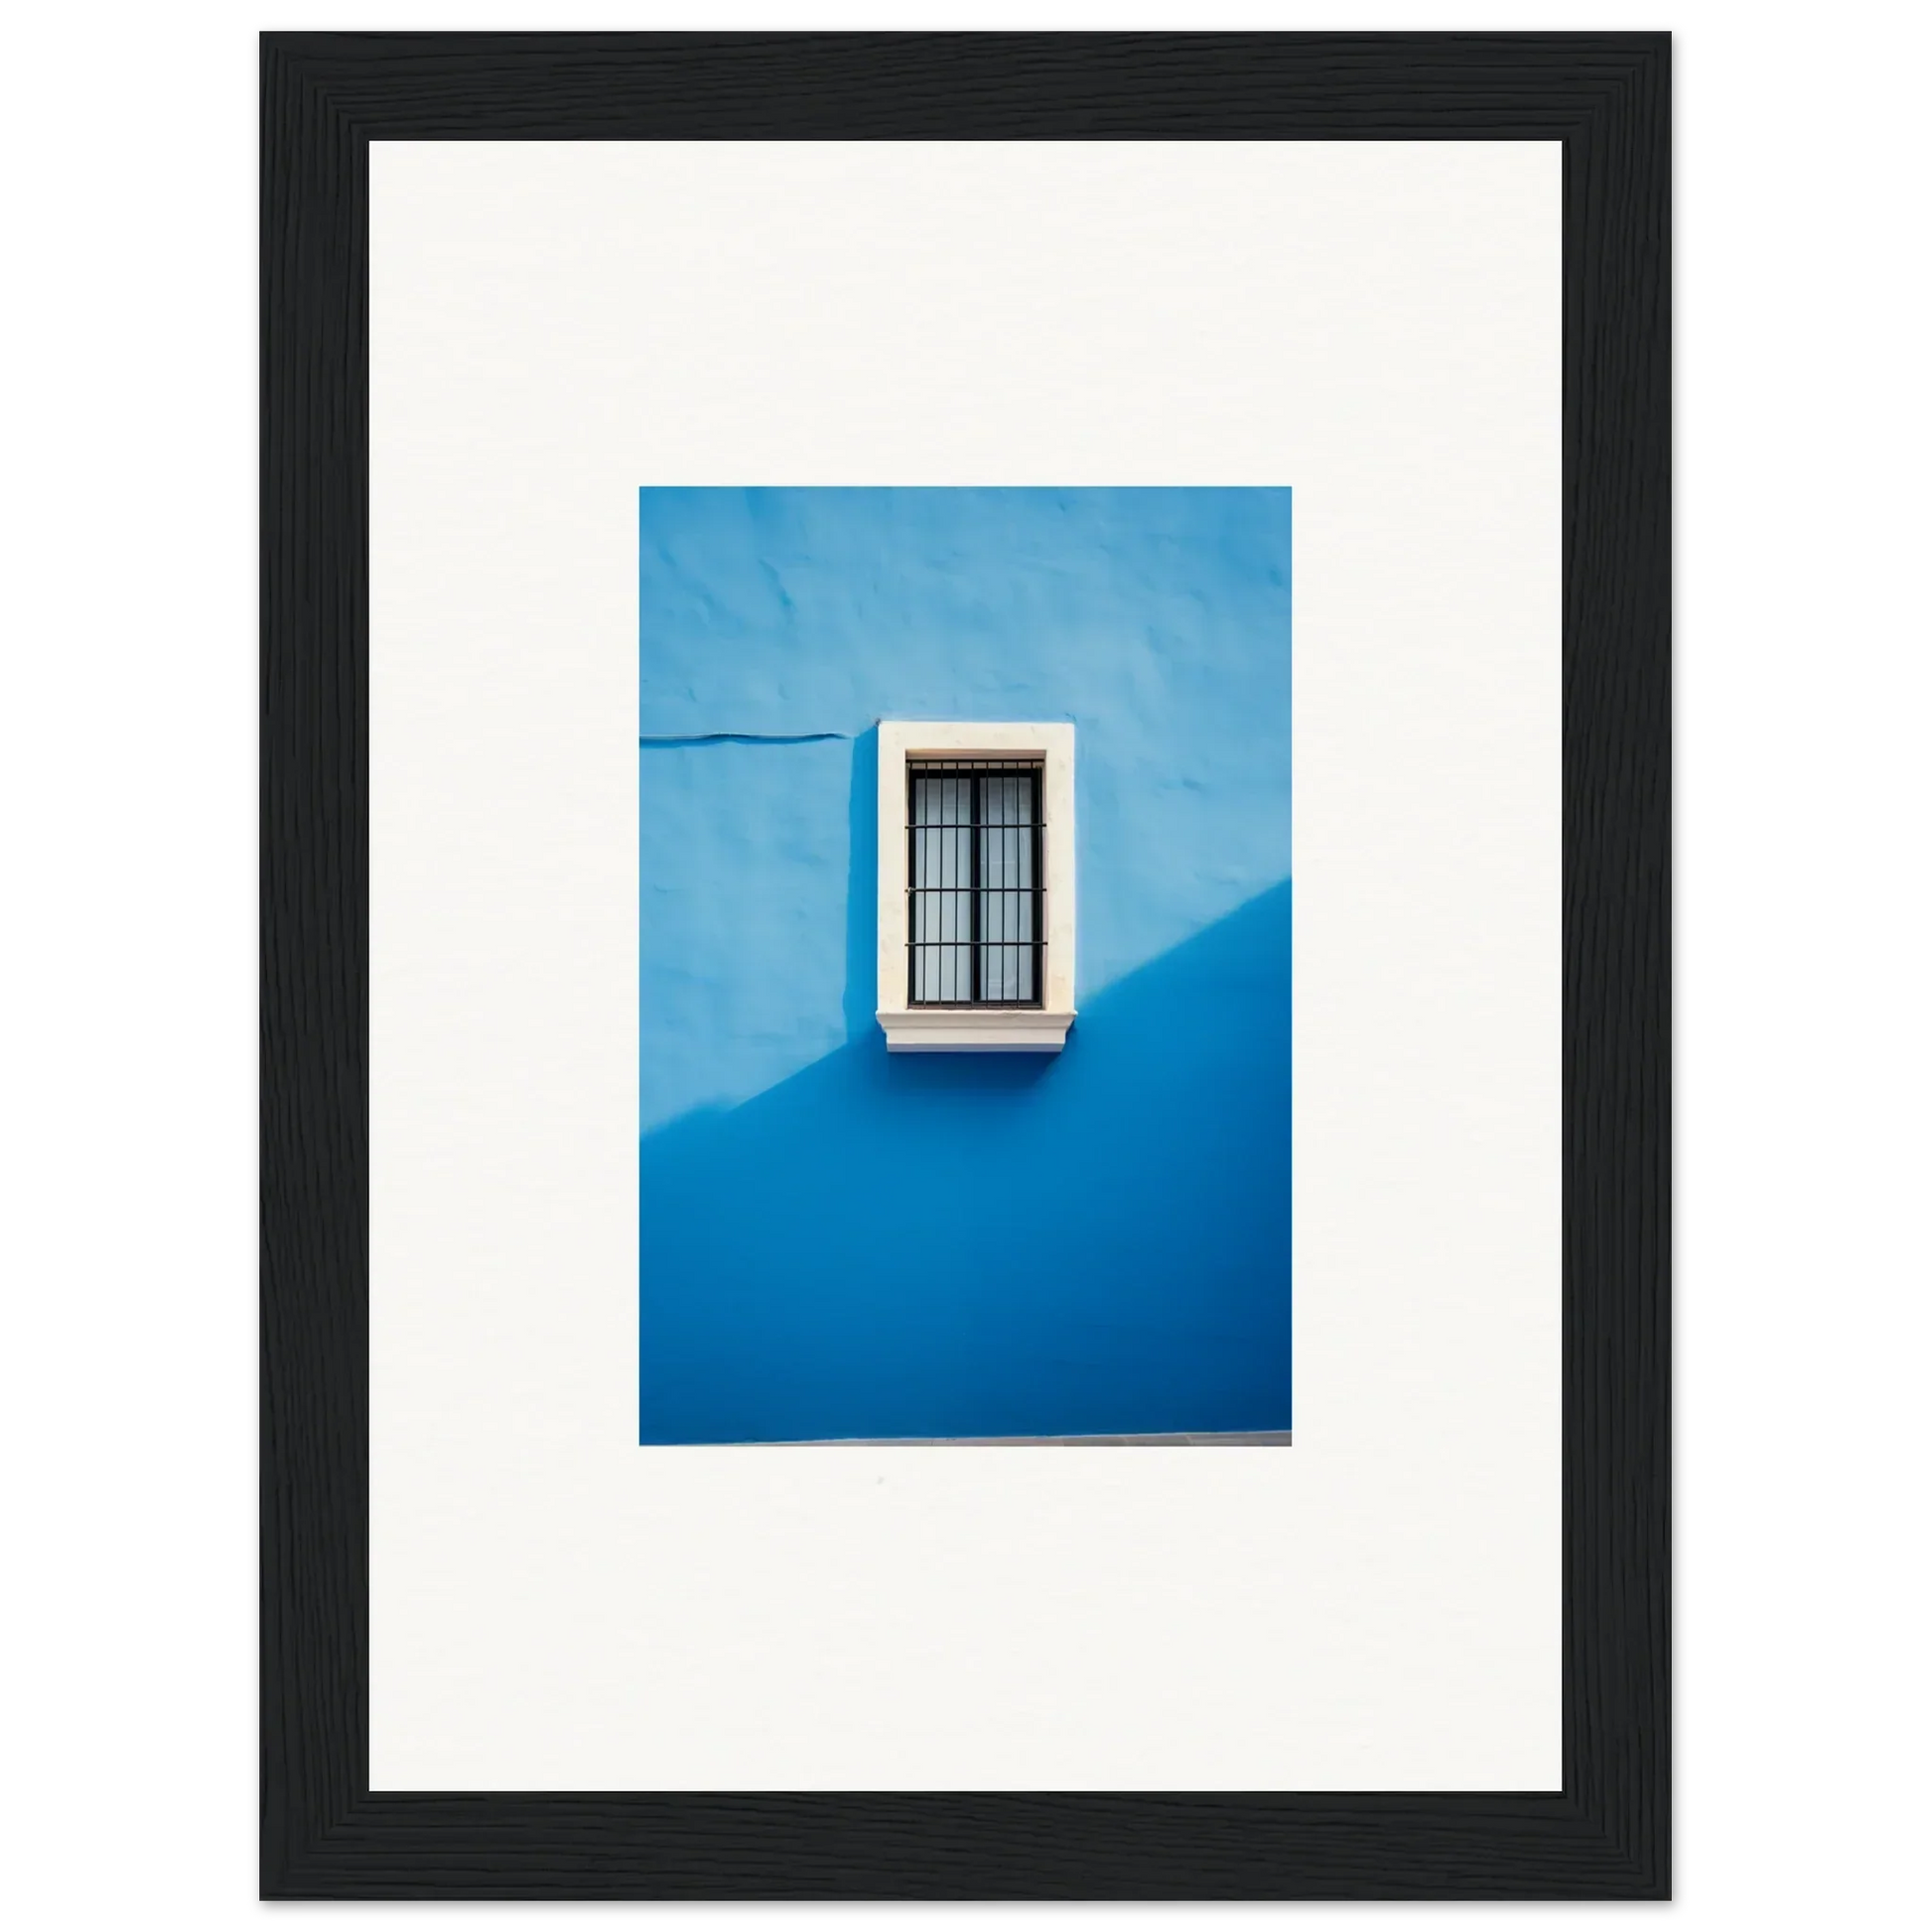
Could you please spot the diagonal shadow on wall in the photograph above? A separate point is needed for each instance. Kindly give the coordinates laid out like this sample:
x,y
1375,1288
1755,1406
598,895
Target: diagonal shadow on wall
x,y
1090,1243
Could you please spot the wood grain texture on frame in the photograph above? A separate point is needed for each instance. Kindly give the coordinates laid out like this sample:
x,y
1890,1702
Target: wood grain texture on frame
x,y
324,98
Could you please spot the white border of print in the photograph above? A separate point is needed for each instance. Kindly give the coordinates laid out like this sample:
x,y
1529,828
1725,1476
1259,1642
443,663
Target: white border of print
x,y
554,326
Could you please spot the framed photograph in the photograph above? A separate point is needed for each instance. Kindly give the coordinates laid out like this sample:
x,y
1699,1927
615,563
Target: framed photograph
x,y
965,788
994,1002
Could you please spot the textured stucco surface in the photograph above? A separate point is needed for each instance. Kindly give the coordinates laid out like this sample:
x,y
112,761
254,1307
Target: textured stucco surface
x,y
838,1244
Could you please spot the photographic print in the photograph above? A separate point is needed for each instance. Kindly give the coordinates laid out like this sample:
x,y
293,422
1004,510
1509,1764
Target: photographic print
x,y
965,966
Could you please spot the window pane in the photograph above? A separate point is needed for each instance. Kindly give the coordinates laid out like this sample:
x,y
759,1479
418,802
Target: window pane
x,y
943,883
1005,886
972,837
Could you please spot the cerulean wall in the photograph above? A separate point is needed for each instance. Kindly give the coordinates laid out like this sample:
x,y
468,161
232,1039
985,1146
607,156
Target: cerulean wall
x,y
838,1242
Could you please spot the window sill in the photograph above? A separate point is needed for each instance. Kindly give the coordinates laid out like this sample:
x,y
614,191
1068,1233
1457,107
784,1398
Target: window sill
x,y
975,1030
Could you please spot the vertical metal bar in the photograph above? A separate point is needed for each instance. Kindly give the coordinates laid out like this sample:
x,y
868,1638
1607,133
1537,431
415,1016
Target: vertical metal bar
x,y
1039,817
993,816
1005,837
949,864
1022,793
1009,894
976,810
1009,876
1009,966
912,881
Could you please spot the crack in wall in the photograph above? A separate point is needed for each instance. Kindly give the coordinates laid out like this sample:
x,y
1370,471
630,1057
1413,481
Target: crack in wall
x,y
741,737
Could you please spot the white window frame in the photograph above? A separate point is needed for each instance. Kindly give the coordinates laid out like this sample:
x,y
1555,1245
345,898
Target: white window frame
x,y
976,1029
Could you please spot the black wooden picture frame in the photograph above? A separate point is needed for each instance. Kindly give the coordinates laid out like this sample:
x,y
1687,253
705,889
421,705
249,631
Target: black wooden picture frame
x,y
324,98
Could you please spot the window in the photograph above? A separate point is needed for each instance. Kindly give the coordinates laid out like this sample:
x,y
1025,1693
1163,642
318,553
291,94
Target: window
x,y
973,829
975,887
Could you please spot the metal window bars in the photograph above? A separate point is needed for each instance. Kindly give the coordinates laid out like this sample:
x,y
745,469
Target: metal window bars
x,y
976,926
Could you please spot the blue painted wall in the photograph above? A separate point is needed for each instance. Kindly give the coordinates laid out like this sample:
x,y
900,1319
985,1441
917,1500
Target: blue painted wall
x,y
838,1242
